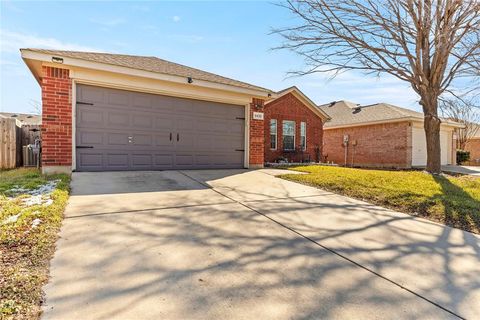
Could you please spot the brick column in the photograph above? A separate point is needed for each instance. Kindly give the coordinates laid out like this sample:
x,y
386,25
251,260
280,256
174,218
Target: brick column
x,y
257,136
56,120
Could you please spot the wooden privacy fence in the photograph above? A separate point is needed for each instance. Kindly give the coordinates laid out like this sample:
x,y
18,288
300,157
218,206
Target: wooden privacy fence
x,y
13,136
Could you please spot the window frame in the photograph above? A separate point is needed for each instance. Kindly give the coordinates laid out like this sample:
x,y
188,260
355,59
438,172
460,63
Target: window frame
x,y
304,125
283,134
276,134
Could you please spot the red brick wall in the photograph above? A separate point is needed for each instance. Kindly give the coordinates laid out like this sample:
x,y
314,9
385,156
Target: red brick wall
x,y
56,117
473,145
288,107
257,138
380,145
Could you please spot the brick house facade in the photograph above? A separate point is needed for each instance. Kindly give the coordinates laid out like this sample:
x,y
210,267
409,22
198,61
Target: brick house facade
x,y
56,117
381,135
381,145
293,105
473,146
61,73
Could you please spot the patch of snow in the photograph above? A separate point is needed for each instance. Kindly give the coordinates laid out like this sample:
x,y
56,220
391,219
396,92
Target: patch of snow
x,y
11,219
33,200
36,222
46,188
38,196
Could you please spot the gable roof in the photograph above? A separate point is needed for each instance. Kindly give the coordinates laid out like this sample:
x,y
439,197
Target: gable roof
x,y
345,113
303,98
148,63
23,118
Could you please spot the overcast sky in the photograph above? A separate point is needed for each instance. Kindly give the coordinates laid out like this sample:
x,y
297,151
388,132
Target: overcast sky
x,y
228,38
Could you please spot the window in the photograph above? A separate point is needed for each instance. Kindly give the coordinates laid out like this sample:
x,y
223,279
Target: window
x,y
273,134
288,135
303,135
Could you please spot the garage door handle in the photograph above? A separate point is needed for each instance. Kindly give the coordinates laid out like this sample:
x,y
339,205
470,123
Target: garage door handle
x,y
178,136
84,147
170,136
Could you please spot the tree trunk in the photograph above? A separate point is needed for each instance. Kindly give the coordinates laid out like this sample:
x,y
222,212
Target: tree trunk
x,y
432,134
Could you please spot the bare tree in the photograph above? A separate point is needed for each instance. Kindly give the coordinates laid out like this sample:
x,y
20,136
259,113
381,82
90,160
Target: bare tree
x,y
36,105
466,111
426,43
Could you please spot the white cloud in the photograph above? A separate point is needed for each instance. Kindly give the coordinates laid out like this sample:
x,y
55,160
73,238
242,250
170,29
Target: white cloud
x,y
176,18
11,42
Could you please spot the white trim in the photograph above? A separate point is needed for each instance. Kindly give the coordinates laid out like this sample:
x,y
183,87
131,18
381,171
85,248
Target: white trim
x,y
158,88
305,123
294,134
74,125
367,123
68,61
276,134
247,137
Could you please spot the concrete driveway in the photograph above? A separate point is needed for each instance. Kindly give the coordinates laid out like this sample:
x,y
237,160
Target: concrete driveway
x,y
238,244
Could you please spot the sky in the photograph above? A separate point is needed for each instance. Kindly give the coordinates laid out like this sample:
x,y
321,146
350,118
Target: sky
x,y
229,38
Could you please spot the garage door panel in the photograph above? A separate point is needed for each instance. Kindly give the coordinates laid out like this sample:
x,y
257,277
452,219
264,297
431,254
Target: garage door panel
x,y
143,121
119,98
142,139
208,132
91,94
119,160
164,160
184,160
117,139
90,138
91,159
117,119
90,117
142,160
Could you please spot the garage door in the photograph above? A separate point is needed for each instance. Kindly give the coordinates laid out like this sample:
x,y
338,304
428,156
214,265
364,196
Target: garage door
x,y
419,147
124,130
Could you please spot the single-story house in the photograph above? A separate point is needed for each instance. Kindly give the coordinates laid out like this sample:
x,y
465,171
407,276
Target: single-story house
x,y
473,146
293,128
120,112
381,135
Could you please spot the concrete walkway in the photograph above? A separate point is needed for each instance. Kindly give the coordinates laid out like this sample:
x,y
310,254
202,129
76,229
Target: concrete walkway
x,y
237,244
469,170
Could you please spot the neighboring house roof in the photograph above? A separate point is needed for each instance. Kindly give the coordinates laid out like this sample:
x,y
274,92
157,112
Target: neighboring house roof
x,y
23,118
345,113
151,64
302,97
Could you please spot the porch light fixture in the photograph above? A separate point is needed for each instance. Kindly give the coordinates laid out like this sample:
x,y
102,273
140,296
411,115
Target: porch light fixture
x,y
57,59
189,80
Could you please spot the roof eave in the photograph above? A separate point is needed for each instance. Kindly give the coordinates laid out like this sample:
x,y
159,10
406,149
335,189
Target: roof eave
x,y
413,119
29,56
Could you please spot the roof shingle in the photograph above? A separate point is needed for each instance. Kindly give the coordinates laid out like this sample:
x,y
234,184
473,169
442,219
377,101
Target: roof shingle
x,y
151,64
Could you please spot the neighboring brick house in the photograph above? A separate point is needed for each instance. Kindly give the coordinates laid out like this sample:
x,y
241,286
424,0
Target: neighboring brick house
x,y
293,128
473,146
105,111
381,135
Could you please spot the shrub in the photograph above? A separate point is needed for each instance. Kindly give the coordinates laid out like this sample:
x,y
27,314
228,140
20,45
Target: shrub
x,y
462,156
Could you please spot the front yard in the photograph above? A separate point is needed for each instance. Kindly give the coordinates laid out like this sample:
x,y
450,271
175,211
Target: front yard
x,y
454,201
31,213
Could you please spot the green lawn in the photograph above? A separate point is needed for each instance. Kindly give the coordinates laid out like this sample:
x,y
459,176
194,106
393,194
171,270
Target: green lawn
x,y
454,201
27,244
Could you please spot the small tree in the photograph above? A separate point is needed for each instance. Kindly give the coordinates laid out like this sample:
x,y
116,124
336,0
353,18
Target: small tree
x,y
423,42
465,111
